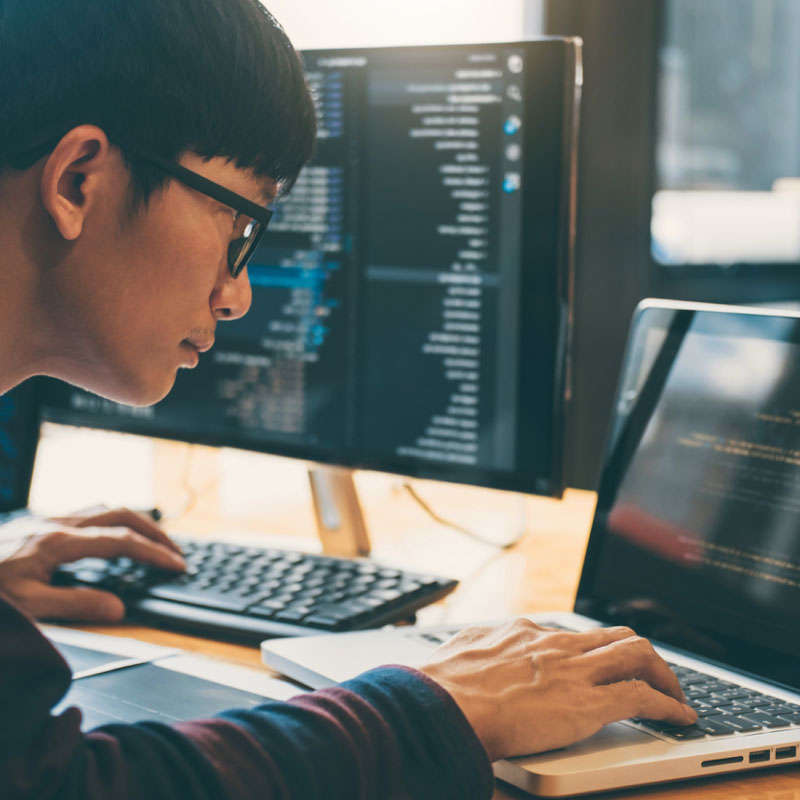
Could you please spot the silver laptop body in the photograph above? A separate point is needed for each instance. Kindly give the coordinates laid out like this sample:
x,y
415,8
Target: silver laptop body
x,y
695,544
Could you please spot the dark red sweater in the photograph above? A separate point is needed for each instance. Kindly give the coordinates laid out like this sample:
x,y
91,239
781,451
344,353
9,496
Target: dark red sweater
x,y
390,733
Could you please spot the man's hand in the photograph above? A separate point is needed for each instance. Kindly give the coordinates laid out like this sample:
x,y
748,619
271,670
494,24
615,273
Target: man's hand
x,y
25,574
526,689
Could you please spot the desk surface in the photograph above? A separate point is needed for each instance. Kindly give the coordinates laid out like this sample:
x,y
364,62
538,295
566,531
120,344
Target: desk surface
x,y
538,574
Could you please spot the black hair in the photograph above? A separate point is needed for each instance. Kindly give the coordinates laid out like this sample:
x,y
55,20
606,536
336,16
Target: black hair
x,y
214,77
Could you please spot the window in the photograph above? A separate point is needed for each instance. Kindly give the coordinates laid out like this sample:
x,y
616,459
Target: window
x,y
378,23
727,182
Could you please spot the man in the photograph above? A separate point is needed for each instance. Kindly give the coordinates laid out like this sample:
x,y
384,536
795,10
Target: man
x,y
139,143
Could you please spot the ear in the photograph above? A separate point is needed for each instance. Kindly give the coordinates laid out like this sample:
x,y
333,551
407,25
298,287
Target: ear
x,y
73,176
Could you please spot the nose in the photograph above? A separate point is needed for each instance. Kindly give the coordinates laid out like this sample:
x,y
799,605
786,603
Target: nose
x,y
231,297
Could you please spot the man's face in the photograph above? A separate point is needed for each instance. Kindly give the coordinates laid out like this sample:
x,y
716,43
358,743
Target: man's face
x,y
150,289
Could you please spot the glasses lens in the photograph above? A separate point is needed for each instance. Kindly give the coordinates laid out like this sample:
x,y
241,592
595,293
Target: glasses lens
x,y
240,250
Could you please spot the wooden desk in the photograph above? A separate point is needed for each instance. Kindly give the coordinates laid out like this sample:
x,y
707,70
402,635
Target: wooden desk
x,y
538,574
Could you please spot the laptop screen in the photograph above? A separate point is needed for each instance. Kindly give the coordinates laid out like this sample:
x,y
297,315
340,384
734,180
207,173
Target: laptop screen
x,y
696,538
19,436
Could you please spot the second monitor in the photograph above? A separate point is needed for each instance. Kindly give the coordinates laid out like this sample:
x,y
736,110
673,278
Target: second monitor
x,y
412,297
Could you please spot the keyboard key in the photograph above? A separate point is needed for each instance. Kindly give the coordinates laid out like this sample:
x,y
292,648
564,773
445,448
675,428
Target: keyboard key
x,y
756,699
264,611
654,724
289,615
389,573
715,686
387,595
714,726
184,594
740,724
735,709
690,677
733,694
690,732
91,576
342,610
324,622
766,720
779,710
693,693
709,711
273,602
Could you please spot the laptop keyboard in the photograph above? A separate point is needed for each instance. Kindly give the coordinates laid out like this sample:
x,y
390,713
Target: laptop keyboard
x,y
253,592
725,708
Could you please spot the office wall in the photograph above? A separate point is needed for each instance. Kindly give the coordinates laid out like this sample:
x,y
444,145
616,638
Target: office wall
x,y
371,23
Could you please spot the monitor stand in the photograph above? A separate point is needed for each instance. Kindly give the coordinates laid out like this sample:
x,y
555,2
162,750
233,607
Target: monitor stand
x,y
340,520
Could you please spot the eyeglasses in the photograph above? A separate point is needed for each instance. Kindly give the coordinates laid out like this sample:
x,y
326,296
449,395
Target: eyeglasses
x,y
240,249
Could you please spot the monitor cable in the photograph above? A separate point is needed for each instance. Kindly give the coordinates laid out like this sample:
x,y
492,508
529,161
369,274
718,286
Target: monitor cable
x,y
506,545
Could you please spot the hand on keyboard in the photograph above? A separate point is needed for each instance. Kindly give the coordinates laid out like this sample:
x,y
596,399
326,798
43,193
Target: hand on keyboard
x,y
254,592
526,689
25,575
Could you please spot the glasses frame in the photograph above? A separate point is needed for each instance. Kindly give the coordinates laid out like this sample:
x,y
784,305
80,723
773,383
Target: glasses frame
x,y
239,250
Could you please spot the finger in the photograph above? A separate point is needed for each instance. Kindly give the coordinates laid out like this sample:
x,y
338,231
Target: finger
x,y
638,699
78,604
521,625
125,518
600,637
75,517
633,657
583,641
64,547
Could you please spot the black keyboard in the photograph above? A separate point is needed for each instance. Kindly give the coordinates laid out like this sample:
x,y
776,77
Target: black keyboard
x,y
255,593
725,708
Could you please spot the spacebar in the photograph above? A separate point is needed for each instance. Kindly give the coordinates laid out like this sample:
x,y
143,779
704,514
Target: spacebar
x,y
185,594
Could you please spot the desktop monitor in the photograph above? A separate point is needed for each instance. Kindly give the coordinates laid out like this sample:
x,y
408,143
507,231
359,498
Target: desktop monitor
x,y
412,297
19,426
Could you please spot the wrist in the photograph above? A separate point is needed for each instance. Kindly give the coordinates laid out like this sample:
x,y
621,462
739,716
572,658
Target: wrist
x,y
475,709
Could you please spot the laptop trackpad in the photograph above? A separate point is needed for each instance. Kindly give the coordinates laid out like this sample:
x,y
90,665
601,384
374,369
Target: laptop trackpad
x,y
611,737
615,735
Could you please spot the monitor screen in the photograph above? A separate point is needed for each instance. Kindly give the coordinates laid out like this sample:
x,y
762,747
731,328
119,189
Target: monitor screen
x,y
19,436
411,298
696,540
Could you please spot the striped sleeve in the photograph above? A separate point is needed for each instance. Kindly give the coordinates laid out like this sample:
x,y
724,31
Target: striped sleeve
x,y
390,733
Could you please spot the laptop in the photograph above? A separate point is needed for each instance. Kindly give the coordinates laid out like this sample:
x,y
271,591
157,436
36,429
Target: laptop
x,y
695,543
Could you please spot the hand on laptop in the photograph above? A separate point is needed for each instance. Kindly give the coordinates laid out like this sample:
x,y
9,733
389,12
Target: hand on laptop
x,y
25,574
526,689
